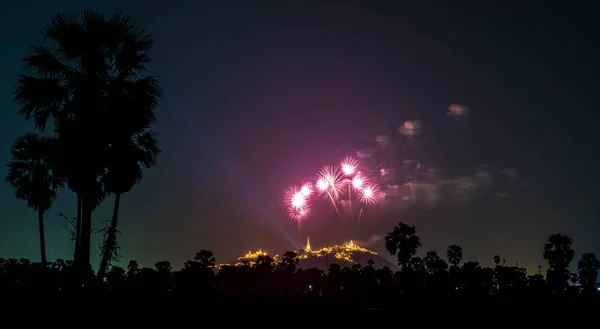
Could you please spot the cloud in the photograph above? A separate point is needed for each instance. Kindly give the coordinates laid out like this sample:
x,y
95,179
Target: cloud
x,y
369,242
457,110
410,128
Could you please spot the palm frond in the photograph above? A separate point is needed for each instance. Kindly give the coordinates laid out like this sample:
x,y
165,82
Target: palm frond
x,y
67,32
147,145
31,173
47,64
39,98
132,52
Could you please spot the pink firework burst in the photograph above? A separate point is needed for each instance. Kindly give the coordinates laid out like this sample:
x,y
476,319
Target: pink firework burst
x,y
306,190
294,198
369,194
329,179
358,182
349,166
299,214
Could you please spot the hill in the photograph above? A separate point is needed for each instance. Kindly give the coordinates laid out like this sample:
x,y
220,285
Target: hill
x,y
344,255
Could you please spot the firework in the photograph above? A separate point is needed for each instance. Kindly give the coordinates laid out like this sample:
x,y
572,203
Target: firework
x,y
349,166
295,199
358,182
329,181
368,196
306,190
299,214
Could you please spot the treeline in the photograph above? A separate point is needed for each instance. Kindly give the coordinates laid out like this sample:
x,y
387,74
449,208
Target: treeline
x,y
430,276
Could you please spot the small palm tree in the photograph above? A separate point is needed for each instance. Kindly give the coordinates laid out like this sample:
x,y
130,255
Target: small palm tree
x,y
31,174
454,254
497,260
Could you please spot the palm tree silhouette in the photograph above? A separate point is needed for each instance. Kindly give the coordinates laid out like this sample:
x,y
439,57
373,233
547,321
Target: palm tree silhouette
x,y
31,174
403,242
558,252
124,170
497,260
454,254
87,82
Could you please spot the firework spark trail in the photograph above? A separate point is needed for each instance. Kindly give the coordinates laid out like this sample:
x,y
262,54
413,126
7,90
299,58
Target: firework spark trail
x,y
323,186
348,166
368,196
358,182
329,180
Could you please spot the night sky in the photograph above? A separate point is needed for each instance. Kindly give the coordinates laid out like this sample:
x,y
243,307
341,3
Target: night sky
x,y
259,96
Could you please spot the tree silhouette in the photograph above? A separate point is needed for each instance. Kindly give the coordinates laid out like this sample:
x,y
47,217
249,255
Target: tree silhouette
x,y
31,174
403,242
433,262
454,254
289,262
132,268
370,262
588,267
205,258
559,254
125,161
497,260
86,82
417,264
430,259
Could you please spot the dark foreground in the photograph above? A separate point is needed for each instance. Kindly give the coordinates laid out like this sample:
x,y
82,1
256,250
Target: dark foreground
x,y
186,309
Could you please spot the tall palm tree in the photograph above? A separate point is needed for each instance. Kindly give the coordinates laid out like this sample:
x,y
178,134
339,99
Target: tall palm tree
x,y
30,172
558,252
124,170
90,84
403,242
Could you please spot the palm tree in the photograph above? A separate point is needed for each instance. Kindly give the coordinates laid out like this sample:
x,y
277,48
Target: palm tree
x,y
559,254
124,170
454,254
31,174
403,242
88,81
497,260
588,268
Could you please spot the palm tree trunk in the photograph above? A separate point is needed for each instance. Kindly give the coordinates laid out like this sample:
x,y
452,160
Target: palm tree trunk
x,y
78,226
42,236
111,238
83,253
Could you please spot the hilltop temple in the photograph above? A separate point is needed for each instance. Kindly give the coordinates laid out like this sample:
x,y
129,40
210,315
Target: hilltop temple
x,y
343,253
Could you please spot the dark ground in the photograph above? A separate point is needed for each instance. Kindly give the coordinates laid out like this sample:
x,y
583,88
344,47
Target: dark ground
x,y
170,310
